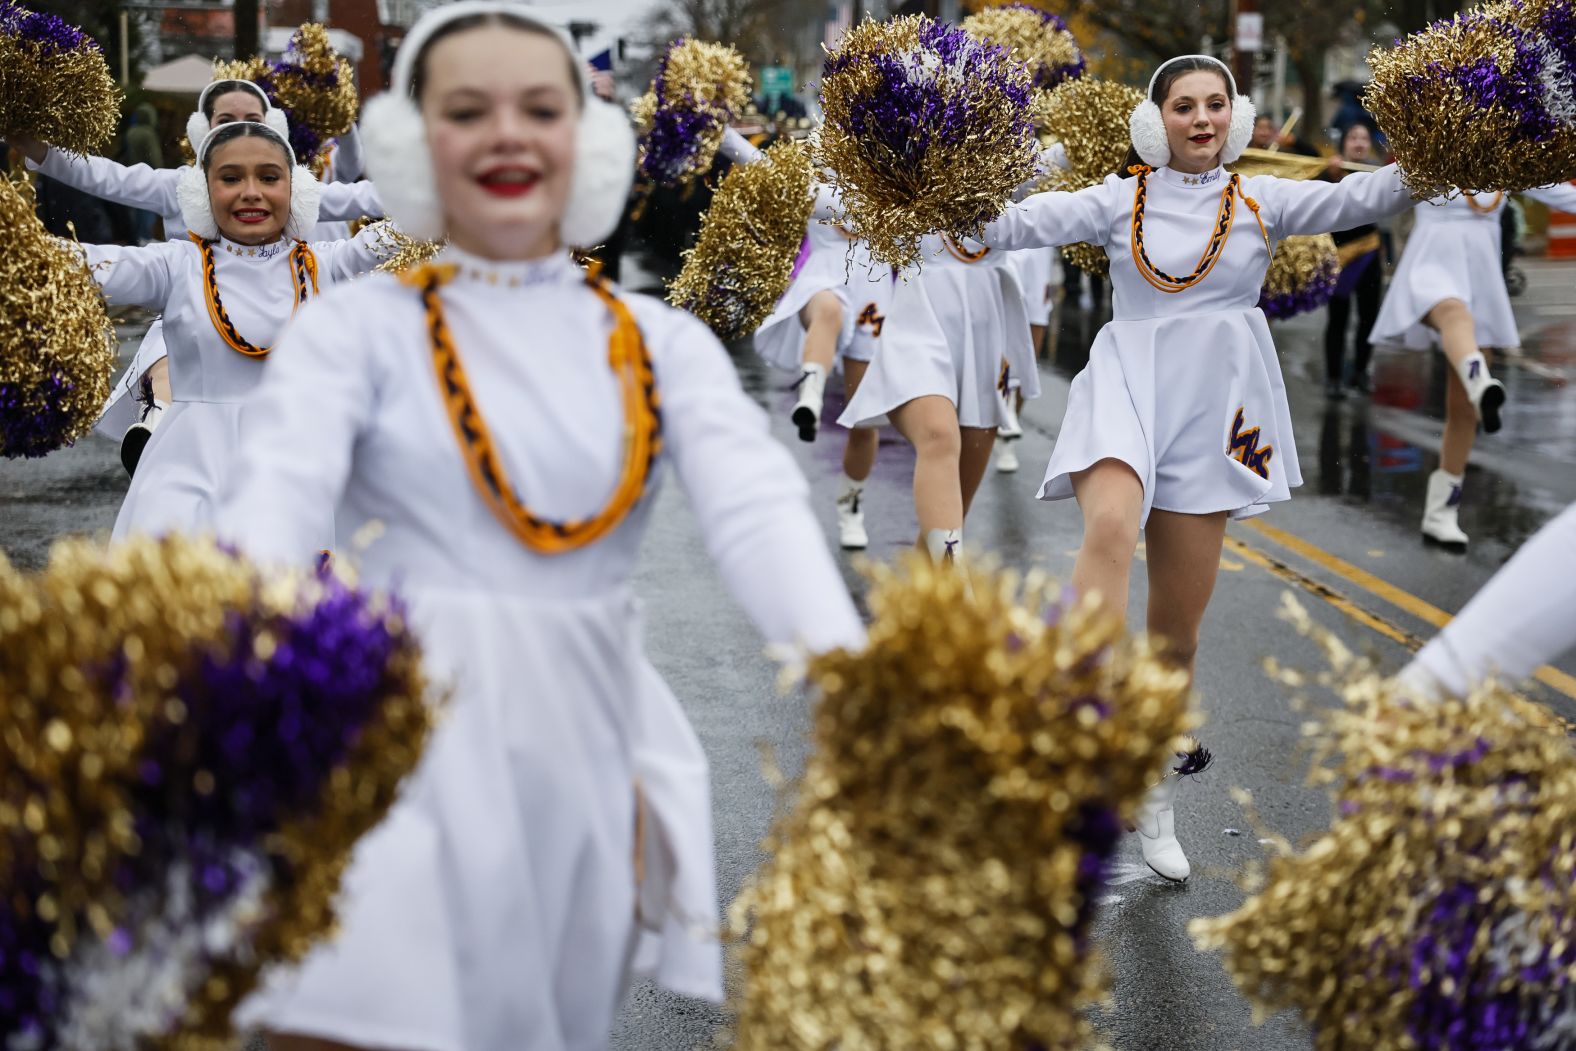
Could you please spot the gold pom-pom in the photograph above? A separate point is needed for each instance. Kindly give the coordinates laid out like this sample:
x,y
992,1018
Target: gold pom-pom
x,y
1038,39
314,85
57,346
698,89
1089,116
928,130
743,260
1439,903
1301,276
1482,100
54,84
934,883
190,746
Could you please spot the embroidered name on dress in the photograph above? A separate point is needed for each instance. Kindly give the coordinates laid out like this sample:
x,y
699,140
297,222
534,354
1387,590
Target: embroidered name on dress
x,y
1244,448
1200,180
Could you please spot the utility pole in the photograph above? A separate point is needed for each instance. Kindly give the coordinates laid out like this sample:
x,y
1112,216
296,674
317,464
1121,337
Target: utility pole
x,y
1247,39
247,44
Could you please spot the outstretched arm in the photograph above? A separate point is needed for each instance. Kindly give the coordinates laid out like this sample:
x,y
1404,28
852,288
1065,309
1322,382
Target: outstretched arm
x,y
135,186
1048,220
1297,206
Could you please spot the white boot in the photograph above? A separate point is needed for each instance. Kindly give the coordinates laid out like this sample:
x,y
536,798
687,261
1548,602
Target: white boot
x,y
1012,427
136,437
945,545
851,519
1486,392
1006,458
1439,510
1157,832
812,392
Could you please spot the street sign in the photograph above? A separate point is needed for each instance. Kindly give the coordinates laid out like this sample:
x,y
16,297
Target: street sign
x,y
776,80
1250,31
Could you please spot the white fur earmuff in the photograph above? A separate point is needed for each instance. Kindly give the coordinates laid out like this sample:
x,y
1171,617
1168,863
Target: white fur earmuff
x,y
198,125
394,139
1147,125
197,208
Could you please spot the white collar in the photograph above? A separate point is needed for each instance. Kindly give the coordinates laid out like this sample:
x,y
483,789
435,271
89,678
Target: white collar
x,y
1212,179
267,251
550,269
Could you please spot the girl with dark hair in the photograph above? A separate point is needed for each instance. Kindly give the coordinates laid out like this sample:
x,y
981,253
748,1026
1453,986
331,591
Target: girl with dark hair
x,y
138,402
1180,419
504,418
225,294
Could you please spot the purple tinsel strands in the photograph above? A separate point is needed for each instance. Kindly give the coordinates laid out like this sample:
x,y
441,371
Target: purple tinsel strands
x,y
32,421
53,35
1048,77
673,142
1309,297
303,140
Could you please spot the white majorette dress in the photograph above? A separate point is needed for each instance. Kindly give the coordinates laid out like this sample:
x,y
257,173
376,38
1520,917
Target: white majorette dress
x,y
947,332
155,190
1034,267
496,907
830,260
1454,253
1184,386
218,327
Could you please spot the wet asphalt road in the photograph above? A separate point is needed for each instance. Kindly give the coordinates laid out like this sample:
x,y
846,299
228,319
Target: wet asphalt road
x,y
1346,545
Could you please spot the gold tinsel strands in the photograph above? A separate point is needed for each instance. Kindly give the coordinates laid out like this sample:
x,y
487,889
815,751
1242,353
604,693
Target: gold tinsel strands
x,y
1439,903
1047,49
933,885
57,346
698,90
1088,116
400,251
743,261
54,83
1481,101
927,130
123,672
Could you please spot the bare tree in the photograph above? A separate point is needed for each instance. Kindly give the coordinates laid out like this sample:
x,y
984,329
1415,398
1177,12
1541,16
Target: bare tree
x,y
764,31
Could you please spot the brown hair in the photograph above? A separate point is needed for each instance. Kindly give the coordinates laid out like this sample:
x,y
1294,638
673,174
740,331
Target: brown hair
x,y
418,74
1170,73
241,130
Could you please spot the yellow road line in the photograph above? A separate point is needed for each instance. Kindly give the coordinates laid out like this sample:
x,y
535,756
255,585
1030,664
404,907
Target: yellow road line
x,y
1404,600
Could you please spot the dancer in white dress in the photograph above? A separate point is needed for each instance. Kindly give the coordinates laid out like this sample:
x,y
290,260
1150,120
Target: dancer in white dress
x,y
833,311
1180,420
948,329
1035,268
1449,291
556,837
225,294
139,399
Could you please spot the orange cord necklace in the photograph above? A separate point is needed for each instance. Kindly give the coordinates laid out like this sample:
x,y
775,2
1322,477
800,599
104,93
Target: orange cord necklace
x,y
1224,219
631,363
303,268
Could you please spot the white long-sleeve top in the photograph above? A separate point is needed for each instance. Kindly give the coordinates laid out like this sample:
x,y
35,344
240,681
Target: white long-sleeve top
x,y
1486,208
154,189
256,289
350,416
1179,219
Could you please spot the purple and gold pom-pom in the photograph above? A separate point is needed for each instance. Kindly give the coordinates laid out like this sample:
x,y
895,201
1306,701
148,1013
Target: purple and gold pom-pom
x,y
313,84
927,129
189,749
1301,277
698,89
54,83
57,346
1485,100
934,883
1437,913
743,261
1037,38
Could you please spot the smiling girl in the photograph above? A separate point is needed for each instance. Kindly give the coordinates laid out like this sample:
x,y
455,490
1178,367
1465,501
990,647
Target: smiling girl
x,y
225,293
1180,420
504,418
